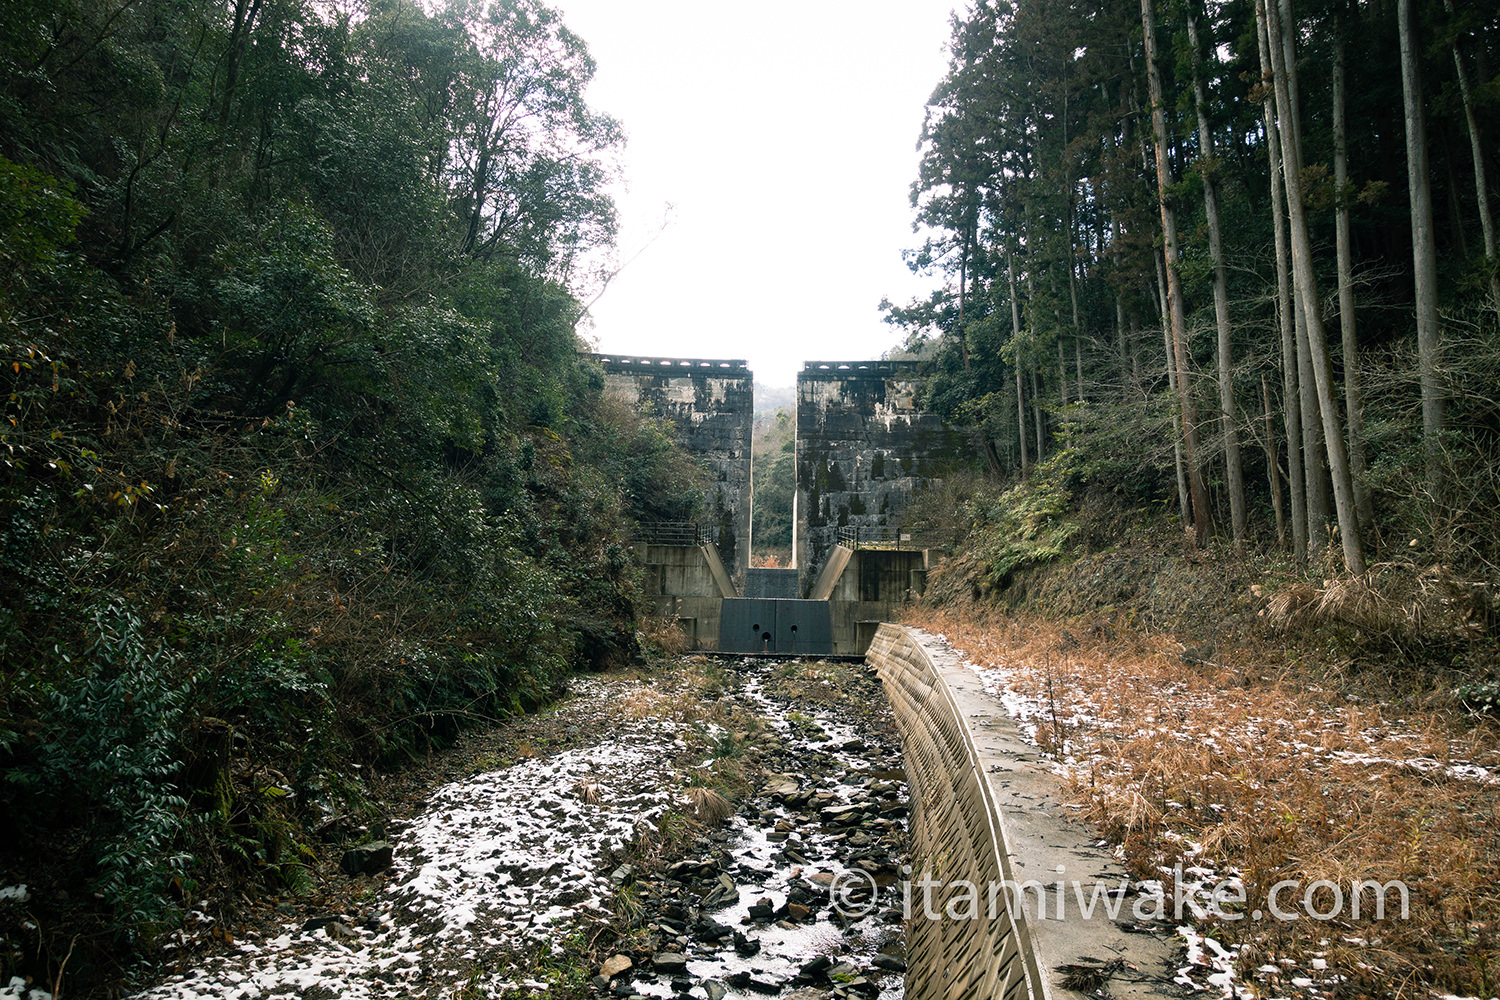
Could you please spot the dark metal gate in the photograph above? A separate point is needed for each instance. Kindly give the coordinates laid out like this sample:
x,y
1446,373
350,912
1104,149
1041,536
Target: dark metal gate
x,y
780,627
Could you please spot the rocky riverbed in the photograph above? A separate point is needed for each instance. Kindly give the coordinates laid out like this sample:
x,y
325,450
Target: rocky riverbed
x,y
797,895
699,829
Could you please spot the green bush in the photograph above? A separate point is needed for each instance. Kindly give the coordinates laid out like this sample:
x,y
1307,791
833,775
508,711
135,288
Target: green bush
x,y
1482,698
1028,524
108,753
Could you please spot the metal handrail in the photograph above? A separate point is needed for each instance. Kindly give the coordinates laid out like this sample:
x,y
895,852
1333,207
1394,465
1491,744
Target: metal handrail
x,y
677,533
898,537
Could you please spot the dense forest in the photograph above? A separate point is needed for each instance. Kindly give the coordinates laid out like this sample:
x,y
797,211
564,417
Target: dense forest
x,y
1234,260
300,471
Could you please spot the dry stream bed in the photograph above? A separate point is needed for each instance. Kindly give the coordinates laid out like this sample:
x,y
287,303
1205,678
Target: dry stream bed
x,y
700,829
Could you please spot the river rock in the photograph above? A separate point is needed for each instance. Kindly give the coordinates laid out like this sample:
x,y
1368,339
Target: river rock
x,y
842,815
781,785
669,962
755,984
815,970
367,859
614,965
687,869
711,930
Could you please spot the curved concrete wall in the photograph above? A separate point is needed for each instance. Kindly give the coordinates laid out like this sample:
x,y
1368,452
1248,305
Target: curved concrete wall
x,y
956,836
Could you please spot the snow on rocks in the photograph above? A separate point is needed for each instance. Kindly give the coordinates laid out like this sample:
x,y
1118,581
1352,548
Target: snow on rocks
x,y
17,989
493,864
516,862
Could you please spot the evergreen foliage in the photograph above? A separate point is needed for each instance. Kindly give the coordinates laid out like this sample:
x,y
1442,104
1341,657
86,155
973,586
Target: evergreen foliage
x,y
300,468
1038,194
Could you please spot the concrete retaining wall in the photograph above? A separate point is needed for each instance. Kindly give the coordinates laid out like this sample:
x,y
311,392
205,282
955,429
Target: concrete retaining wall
x,y
865,587
686,582
956,836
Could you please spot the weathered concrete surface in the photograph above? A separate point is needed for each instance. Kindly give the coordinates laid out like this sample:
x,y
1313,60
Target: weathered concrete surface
x,y
773,583
711,403
689,584
864,587
863,449
1040,841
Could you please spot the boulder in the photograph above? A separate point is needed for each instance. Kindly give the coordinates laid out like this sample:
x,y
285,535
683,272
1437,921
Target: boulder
x,y
367,859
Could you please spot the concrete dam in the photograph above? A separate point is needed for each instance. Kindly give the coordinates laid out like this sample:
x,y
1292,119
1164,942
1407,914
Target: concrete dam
x,y
864,448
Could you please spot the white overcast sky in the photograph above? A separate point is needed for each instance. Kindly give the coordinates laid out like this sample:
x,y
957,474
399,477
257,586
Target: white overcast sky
x,y
784,136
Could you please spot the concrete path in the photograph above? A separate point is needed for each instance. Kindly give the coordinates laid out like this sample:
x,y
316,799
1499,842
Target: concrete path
x,y
1047,846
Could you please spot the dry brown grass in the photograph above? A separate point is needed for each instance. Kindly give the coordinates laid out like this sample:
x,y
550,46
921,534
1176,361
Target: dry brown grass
x,y
664,635
587,791
1273,777
1397,601
709,807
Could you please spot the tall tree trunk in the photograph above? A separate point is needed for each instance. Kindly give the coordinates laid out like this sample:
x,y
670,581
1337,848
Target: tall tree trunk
x,y
1062,372
1290,391
243,24
1481,184
1208,169
1178,320
1314,450
963,287
1424,255
1184,504
1078,365
1015,338
1353,403
1037,419
1135,357
1038,423
1273,467
1307,292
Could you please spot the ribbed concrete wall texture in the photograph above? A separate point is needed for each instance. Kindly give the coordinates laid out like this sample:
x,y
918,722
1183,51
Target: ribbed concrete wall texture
x,y
955,837
863,449
711,403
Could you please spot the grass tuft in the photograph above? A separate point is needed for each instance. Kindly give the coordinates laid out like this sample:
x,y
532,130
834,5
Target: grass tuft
x,y
709,807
